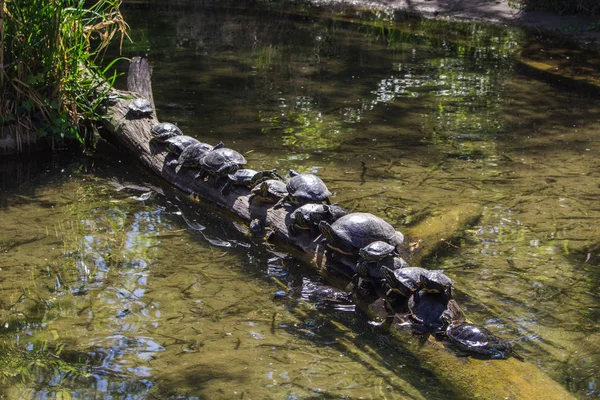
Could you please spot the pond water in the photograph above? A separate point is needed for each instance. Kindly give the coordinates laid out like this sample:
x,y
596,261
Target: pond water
x,y
109,293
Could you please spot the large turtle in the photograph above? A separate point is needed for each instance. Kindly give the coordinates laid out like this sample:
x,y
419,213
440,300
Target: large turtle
x,y
305,188
165,130
176,144
354,231
270,191
474,338
220,162
191,156
308,216
140,108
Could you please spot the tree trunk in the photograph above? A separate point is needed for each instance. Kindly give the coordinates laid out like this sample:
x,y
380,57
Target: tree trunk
x,y
467,377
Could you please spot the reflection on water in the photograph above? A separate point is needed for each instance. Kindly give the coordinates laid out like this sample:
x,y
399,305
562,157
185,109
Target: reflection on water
x,y
117,289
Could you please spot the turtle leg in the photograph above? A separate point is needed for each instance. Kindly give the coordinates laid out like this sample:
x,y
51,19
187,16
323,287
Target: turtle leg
x,y
200,175
225,189
292,229
280,203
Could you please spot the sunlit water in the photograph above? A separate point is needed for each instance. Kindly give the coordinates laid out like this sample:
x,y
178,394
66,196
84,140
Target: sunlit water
x,y
106,293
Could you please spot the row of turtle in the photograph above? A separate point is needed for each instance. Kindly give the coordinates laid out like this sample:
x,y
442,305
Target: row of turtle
x,y
424,295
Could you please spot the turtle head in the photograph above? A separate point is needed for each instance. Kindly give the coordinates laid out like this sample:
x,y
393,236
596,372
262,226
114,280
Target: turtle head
x,y
264,190
327,231
228,168
453,315
293,173
388,275
219,145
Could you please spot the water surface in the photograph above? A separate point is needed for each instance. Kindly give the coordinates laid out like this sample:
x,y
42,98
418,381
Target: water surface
x,y
107,294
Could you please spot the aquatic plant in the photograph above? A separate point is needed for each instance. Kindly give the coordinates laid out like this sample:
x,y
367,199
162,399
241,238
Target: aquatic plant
x,y
50,81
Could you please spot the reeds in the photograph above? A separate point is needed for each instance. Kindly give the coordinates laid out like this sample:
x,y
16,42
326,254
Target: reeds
x,y
50,78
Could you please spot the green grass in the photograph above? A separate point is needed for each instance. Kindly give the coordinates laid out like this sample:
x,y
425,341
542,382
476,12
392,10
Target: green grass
x,y
49,79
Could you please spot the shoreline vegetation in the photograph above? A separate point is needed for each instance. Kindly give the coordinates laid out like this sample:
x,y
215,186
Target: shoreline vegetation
x,y
50,78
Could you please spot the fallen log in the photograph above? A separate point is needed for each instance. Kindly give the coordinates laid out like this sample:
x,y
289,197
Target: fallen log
x,y
467,377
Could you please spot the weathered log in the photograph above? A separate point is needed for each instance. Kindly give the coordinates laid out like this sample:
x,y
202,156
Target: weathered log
x,y
467,377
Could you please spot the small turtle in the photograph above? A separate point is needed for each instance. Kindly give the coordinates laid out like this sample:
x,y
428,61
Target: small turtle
x,y
220,162
404,281
474,338
176,144
435,281
191,156
265,175
164,131
308,216
377,251
305,188
242,177
251,178
269,191
354,231
372,270
426,309
140,108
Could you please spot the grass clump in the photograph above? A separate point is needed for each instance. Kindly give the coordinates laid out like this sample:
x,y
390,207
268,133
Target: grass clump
x,y
50,82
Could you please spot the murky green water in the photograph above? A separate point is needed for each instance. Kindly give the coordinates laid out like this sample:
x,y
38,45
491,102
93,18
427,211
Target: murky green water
x,y
104,294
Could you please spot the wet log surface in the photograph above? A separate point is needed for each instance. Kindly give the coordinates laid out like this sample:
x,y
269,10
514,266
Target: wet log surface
x,y
468,377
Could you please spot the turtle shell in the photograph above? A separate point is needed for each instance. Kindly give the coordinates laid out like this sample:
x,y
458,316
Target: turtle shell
x,y
140,107
427,309
474,338
242,177
376,251
354,231
435,281
165,130
262,176
176,144
405,281
372,270
222,161
191,156
307,188
270,191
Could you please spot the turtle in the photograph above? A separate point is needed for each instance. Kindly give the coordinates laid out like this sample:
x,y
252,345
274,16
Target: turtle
x,y
264,175
308,216
191,156
377,251
140,108
305,188
404,281
354,231
176,144
251,178
220,162
269,191
372,270
165,130
474,338
435,281
426,310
